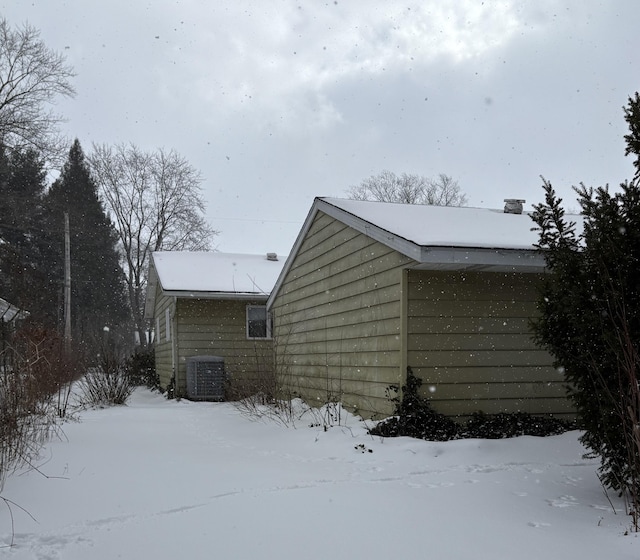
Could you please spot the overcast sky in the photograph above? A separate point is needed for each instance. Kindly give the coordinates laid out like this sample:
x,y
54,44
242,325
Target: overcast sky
x,y
278,101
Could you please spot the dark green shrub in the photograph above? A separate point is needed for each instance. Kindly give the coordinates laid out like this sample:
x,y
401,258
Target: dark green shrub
x,y
590,315
141,368
506,425
414,416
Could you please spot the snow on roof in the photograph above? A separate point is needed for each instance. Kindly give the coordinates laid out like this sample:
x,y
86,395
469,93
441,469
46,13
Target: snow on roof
x,y
192,271
446,226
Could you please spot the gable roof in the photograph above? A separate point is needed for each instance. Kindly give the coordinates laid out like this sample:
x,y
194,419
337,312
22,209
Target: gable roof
x,y
211,275
438,226
437,237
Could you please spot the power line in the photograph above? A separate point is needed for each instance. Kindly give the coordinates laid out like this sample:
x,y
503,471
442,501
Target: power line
x,y
258,220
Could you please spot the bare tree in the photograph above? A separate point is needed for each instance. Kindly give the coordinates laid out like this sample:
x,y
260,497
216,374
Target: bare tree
x,y
155,201
409,189
31,77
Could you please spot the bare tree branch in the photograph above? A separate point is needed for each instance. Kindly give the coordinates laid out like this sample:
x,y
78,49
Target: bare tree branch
x,y
31,77
409,189
156,203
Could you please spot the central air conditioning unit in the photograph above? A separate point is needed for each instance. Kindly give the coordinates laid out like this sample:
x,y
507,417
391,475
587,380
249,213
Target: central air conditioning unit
x,y
206,378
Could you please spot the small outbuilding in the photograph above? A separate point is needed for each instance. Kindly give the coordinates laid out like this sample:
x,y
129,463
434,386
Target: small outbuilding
x,y
10,314
211,327
371,288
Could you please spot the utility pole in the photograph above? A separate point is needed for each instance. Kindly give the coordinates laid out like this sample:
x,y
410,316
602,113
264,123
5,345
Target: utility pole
x,y
67,283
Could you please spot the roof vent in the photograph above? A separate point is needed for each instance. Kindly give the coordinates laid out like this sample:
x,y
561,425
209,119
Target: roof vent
x,y
272,257
513,205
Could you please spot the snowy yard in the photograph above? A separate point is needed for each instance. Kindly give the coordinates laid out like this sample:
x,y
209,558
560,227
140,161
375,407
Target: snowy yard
x,y
164,480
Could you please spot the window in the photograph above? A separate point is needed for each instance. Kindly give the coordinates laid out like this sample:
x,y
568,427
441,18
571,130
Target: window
x,y
258,322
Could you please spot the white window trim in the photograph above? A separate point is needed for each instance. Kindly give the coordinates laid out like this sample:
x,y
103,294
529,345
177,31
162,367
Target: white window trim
x,y
269,323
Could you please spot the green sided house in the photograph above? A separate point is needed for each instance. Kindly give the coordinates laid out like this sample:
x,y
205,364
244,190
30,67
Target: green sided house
x,y
371,288
212,330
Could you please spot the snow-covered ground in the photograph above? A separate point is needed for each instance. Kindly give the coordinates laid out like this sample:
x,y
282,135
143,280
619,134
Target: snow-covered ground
x,y
164,480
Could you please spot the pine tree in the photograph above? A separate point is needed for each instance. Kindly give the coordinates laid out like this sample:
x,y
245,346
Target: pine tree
x,y
97,288
24,252
632,116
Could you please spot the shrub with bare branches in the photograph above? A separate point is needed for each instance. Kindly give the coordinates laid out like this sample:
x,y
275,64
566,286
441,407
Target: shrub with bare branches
x,y
108,383
35,386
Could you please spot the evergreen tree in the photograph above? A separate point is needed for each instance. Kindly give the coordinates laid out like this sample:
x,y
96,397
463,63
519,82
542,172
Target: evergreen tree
x,y
97,288
24,252
632,116
590,316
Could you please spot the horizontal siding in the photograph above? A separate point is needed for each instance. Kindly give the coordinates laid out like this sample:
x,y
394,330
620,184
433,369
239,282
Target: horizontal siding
x,y
470,374
218,328
363,396
338,316
366,271
441,307
467,325
463,408
473,341
162,347
383,356
494,358
466,286
470,342
361,321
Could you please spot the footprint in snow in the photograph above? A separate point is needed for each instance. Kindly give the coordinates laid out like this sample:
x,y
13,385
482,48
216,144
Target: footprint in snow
x,y
563,501
538,524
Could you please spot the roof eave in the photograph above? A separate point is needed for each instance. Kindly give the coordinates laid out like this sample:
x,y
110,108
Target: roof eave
x,y
189,294
477,258
426,257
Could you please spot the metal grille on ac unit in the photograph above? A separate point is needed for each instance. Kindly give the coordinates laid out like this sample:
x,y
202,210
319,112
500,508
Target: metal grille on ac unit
x,y
205,378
